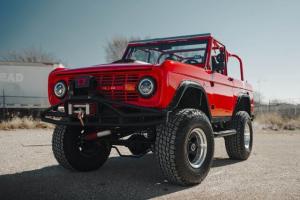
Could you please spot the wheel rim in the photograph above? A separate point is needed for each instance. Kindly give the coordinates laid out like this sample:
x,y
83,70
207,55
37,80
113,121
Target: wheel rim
x,y
247,137
196,147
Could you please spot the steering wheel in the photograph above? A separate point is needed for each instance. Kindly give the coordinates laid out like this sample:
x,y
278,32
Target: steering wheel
x,y
191,61
171,58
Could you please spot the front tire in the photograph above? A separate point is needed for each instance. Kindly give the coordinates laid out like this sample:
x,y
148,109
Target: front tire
x,y
74,154
184,147
239,146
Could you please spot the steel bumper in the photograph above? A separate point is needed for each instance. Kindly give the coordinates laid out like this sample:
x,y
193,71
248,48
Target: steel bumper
x,y
109,114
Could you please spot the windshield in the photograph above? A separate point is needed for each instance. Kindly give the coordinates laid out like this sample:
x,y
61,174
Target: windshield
x,y
191,52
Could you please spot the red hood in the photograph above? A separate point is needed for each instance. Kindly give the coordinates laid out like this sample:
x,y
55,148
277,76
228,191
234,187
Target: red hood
x,y
106,68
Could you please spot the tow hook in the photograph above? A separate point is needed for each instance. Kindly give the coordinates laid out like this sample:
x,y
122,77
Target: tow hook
x,y
80,116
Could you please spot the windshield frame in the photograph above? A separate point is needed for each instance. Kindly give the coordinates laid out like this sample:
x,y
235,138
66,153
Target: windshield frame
x,y
192,41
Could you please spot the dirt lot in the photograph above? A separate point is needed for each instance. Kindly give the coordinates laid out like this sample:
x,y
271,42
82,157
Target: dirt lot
x,y
28,171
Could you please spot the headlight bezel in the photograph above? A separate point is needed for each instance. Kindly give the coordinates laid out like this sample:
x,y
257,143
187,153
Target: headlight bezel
x,y
63,83
153,83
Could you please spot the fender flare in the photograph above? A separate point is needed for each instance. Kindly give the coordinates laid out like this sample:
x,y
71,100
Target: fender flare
x,y
240,98
180,91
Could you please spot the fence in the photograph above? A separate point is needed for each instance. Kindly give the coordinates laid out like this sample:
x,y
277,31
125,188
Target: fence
x,y
11,106
287,108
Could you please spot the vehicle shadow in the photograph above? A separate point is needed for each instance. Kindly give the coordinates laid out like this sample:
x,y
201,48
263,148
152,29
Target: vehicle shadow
x,y
119,178
220,162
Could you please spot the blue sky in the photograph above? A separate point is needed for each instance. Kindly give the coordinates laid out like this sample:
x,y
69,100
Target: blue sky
x,y
264,33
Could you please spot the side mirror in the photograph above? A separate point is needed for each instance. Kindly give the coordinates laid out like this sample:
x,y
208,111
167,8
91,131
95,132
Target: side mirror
x,y
221,57
217,66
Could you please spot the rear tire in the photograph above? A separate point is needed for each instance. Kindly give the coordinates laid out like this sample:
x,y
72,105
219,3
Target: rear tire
x,y
184,147
72,154
239,146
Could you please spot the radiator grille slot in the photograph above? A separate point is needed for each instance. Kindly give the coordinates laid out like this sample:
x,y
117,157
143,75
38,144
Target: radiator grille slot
x,y
112,86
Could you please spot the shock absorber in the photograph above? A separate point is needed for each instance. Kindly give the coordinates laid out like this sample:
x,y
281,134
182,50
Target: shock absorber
x,y
96,135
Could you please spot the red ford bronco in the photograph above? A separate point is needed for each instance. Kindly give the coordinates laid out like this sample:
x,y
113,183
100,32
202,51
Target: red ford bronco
x,y
171,96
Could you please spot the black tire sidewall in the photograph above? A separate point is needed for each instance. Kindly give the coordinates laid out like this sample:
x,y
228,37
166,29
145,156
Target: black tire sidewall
x,y
242,118
75,157
182,162
246,121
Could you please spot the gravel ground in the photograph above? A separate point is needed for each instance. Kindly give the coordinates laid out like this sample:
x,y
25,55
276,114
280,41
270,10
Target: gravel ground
x,y
28,170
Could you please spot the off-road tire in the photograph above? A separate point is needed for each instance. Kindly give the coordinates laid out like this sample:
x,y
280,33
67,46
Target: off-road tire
x,y
234,144
68,155
170,147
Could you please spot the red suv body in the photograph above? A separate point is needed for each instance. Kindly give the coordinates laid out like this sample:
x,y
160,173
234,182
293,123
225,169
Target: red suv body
x,y
175,90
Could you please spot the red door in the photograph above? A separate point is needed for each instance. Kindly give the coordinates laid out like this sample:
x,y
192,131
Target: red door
x,y
222,88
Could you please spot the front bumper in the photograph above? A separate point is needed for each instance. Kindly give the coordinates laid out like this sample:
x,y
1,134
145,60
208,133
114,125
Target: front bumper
x,y
109,114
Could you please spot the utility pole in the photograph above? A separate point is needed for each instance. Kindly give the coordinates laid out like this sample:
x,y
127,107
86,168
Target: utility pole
x,y
259,96
295,112
3,106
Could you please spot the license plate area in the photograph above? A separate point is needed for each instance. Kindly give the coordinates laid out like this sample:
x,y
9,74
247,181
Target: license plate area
x,y
86,108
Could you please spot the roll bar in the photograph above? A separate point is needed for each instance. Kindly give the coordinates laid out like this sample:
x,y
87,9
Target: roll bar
x,y
241,64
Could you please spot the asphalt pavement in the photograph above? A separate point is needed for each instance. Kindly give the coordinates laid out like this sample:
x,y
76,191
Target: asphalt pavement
x,y
28,170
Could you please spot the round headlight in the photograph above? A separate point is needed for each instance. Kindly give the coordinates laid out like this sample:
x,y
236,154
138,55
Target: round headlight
x,y
60,89
146,87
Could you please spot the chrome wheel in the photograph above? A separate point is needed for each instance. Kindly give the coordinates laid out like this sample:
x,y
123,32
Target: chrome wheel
x,y
196,147
247,137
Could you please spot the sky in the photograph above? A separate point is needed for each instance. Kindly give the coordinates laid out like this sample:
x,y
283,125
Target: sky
x,y
265,34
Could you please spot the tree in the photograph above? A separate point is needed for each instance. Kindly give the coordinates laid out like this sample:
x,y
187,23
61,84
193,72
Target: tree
x,y
115,48
30,55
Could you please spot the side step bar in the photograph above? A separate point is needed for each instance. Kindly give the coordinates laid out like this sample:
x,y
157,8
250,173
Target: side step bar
x,y
225,133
